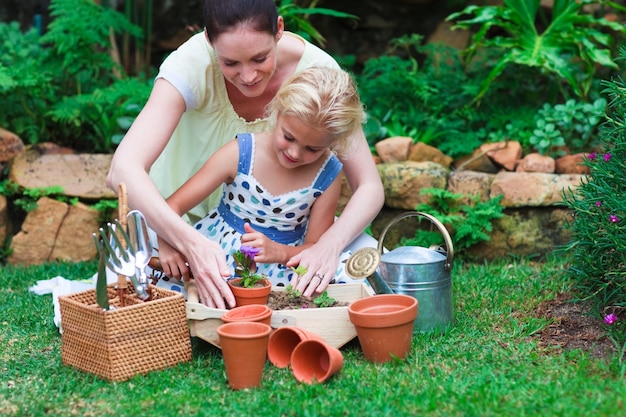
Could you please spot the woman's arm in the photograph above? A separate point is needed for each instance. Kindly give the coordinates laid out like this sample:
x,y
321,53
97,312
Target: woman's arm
x,y
131,163
366,201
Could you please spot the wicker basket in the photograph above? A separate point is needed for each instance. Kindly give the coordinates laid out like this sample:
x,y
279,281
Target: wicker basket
x,y
136,338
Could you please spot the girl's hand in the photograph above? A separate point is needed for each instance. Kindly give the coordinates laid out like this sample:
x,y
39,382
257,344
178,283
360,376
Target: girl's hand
x,y
173,262
271,252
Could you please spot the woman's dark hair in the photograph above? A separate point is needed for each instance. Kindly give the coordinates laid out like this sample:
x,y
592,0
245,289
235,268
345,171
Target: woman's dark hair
x,y
223,15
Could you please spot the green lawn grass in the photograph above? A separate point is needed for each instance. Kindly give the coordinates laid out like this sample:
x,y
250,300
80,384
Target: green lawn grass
x,y
488,364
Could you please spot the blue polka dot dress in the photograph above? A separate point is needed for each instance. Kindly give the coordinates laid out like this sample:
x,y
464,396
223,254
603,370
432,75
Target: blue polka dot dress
x,y
282,218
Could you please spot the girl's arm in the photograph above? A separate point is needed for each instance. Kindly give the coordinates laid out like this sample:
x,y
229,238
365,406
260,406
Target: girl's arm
x,y
321,218
367,199
131,163
220,168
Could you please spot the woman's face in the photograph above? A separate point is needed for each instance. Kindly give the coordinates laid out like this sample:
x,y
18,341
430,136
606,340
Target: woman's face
x,y
297,143
247,58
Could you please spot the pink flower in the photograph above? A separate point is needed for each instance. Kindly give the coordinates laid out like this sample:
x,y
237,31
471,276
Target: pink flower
x,y
610,318
607,157
592,156
598,203
614,219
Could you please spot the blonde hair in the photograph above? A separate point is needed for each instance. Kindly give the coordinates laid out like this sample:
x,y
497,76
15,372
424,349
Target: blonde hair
x,y
324,98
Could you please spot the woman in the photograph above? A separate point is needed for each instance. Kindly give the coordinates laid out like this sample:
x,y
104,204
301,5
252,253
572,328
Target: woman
x,y
215,85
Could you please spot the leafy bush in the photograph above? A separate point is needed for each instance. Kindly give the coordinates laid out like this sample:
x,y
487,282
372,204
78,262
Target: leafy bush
x,y
65,86
573,124
516,81
468,219
598,246
570,46
427,102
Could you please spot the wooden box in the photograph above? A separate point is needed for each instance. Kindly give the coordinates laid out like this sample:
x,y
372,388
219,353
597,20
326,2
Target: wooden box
x,y
133,338
332,323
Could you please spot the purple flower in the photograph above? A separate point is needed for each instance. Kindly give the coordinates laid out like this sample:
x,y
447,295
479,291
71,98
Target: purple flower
x,y
607,157
598,203
592,156
249,251
610,318
614,219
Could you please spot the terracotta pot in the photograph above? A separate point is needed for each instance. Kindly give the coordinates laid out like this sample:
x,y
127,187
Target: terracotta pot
x,y
283,341
246,296
244,347
254,312
315,361
384,325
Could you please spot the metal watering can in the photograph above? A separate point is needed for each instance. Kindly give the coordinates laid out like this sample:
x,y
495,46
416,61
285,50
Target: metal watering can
x,y
423,273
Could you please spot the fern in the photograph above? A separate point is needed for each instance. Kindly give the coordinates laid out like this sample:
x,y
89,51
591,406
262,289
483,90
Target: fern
x,y
470,223
78,96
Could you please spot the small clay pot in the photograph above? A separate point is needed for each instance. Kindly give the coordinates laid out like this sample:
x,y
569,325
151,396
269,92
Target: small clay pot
x,y
384,325
283,341
315,361
259,313
244,347
246,296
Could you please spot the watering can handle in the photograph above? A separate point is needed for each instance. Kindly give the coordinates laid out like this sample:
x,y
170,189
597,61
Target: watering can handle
x,y
437,223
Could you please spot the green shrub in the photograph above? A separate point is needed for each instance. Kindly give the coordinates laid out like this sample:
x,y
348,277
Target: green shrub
x,y
468,219
65,86
598,246
526,77
573,124
570,46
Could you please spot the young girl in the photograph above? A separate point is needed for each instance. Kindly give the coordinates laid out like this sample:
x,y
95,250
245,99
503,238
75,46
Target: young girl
x,y
281,187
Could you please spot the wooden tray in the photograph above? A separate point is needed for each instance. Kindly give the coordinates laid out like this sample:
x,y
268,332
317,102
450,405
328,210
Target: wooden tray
x,y
332,323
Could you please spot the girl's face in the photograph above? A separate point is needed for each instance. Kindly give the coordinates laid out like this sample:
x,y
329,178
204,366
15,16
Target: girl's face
x,y
248,58
297,144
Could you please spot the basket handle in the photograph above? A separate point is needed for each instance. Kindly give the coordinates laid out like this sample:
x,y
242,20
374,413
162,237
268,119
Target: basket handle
x,y
122,211
442,229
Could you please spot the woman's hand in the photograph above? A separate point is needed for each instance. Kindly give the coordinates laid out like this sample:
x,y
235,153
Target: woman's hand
x,y
320,261
210,271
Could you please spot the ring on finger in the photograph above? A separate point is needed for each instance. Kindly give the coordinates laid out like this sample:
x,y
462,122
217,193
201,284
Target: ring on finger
x,y
318,276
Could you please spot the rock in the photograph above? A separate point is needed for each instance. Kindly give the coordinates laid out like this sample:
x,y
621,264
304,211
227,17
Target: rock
x,y
532,189
80,175
49,148
402,182
394,149
571,164
504,154
458,39
10,145
525,232
535,162
471,183
55,231
477,161
4,219
421,152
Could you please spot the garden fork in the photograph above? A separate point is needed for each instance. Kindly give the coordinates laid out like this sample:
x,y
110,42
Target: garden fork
x,y
120,260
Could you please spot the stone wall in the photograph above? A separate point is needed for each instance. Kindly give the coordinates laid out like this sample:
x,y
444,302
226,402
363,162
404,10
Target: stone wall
x,y
534,223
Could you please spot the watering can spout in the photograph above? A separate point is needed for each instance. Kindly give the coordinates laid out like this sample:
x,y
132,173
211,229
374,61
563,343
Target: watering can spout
x,y
378,284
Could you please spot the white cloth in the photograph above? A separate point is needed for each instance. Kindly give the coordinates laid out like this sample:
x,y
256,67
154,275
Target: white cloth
x,y
58,286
